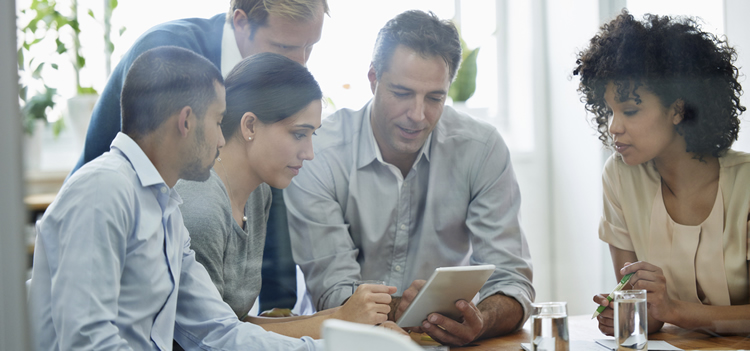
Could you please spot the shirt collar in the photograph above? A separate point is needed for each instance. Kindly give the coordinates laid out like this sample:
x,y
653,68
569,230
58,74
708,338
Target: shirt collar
x,y
147,173
230,53
368,146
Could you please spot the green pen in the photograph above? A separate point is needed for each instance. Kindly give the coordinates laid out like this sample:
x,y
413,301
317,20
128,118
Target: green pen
x,y
612,294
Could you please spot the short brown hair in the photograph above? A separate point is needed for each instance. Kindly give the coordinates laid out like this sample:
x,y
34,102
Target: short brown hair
x,y
422,32
257,11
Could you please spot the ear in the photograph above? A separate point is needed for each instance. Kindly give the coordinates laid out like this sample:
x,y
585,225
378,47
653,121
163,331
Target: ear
x,y
240,21
677,111
185,121
373,77
249,125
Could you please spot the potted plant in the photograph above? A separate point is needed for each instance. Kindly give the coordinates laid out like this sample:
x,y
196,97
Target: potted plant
x,y
46,23
465,83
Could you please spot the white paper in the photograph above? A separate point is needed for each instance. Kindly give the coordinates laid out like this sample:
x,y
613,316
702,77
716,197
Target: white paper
x,y
653,345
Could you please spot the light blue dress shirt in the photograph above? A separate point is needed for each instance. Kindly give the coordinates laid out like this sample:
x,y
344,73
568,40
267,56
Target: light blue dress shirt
x,y
354,216
113,269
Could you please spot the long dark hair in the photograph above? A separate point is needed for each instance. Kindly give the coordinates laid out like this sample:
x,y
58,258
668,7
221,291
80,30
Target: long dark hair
x,y
269,85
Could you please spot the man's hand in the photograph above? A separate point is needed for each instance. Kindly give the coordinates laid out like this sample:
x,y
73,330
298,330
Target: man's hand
x,y
399,304
368,305
455,333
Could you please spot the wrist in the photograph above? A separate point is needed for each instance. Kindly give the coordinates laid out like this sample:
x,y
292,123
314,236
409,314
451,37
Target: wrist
x,y
677,312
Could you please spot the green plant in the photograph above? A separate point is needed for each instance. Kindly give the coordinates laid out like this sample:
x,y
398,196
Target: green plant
x,y
465,84
46,24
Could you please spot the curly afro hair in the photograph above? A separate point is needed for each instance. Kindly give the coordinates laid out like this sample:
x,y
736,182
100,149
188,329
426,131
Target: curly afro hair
x,y
673,59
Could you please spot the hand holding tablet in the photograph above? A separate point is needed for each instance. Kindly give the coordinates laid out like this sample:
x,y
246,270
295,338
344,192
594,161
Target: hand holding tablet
x,y
446,286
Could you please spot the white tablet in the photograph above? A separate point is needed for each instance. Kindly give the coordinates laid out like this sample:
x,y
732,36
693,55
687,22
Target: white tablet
x,y
446,286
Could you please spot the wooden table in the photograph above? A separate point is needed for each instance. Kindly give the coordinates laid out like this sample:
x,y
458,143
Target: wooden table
x,y
584,328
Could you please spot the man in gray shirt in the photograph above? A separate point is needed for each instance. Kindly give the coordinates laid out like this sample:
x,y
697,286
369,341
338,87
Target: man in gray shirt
x,y
406,185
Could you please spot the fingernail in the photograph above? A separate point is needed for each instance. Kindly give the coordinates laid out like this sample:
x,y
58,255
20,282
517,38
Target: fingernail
x,y
433,319
426,325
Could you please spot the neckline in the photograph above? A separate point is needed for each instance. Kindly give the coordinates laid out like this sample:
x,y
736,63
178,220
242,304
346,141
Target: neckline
x,y
718,204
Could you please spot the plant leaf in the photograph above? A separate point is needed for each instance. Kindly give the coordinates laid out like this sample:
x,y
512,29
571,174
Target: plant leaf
x,y
37,74
57,127
61,49
91,13
86,91
464,86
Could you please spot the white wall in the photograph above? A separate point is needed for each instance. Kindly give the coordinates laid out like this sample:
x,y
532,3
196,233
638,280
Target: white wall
x,y
13,317
738,34
575,160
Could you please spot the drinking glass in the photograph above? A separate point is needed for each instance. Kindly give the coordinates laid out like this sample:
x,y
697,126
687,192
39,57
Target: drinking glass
x,y
631,320
549,326
357,283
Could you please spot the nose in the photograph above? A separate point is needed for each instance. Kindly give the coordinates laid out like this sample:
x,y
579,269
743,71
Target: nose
x,y
416,112
307,153
222,141
615,125
300,56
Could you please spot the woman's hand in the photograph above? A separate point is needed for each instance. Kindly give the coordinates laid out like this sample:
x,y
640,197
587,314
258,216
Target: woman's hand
x,y
368,305
651,278
607,317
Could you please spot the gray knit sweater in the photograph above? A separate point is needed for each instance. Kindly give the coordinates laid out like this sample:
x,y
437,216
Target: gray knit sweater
x,y
232,256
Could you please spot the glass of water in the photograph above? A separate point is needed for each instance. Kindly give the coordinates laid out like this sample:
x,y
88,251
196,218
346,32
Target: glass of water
x,y
549,326
631,320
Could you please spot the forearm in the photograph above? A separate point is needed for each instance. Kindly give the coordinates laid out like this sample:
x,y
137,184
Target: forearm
x,y
271,320
726,320
295,327
501,315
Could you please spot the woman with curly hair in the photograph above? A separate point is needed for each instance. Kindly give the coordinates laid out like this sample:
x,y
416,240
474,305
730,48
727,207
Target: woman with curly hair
x,y
664,94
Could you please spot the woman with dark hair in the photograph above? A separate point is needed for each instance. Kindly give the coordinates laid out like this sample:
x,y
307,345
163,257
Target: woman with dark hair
x,y
664,94
273,109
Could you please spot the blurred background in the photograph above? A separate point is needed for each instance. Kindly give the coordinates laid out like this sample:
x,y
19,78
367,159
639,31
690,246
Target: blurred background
x,y
525,54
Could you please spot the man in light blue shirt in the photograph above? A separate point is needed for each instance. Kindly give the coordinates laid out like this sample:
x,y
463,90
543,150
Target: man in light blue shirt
x,y
406,185
113,269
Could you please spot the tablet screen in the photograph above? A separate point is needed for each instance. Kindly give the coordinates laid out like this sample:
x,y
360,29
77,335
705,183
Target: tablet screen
x,y
446,286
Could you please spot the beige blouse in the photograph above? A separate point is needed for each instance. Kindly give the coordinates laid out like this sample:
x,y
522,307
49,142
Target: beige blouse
x,y
635,219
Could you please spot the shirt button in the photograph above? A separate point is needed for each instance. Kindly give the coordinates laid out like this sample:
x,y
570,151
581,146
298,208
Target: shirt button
x,y
403,227
398,268
163,190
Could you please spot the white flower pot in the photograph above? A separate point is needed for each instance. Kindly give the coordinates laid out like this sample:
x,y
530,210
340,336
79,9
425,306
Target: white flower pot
x,y
79,115
33,146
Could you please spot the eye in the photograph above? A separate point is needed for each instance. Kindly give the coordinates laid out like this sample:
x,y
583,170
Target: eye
x,y
435,99
630,112
299,136
400,95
